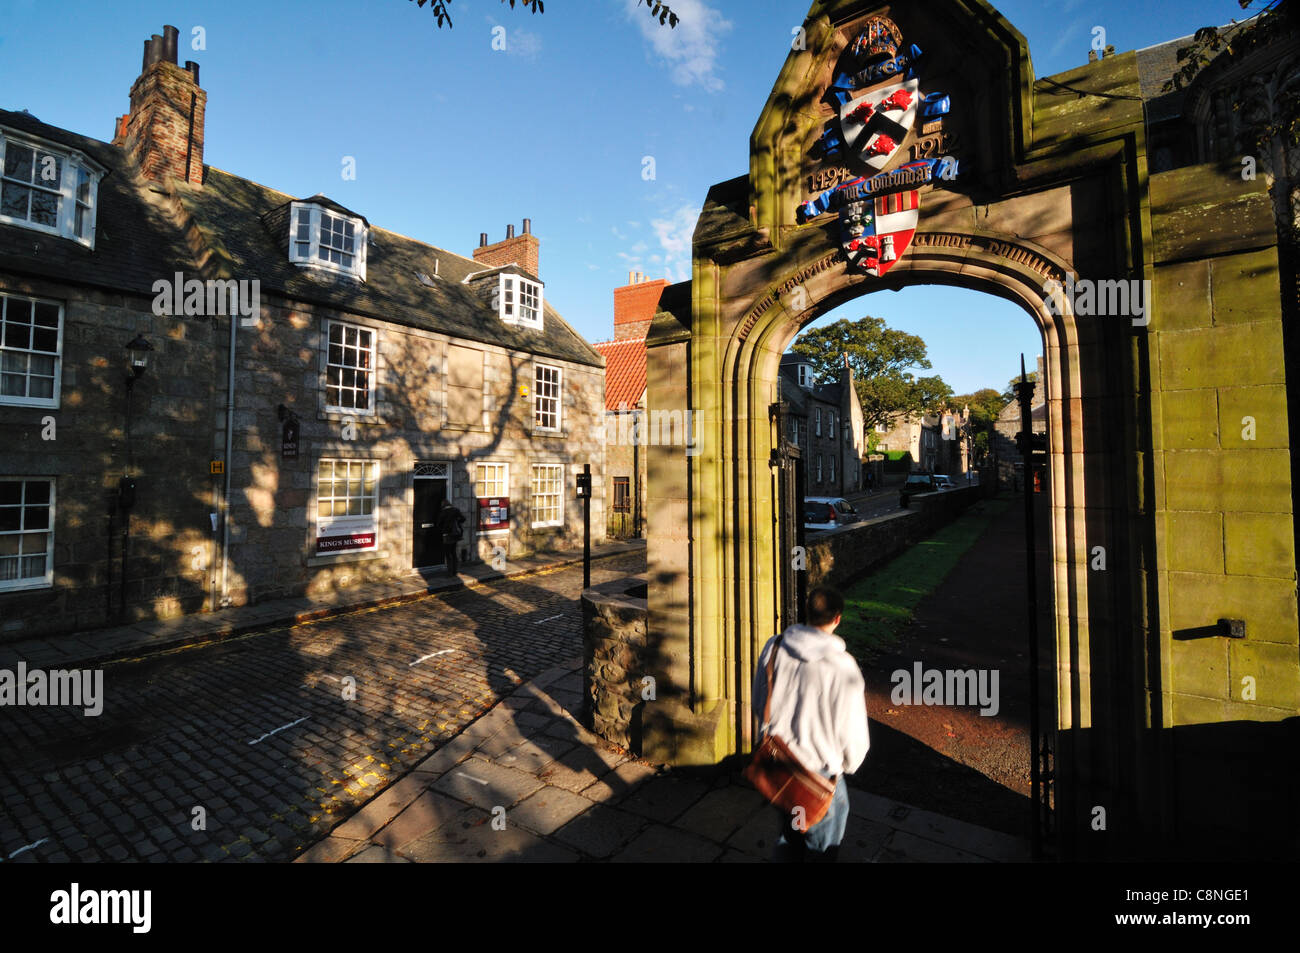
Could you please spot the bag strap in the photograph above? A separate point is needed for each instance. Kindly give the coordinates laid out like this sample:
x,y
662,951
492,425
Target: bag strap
x,y
771,669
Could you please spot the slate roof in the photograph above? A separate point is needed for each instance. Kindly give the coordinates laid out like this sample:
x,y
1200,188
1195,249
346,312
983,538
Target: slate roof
x,y
247,215
137,242
624,373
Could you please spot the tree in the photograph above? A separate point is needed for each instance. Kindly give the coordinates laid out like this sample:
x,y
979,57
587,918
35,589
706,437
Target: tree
x,y
660,11
884,362
985,405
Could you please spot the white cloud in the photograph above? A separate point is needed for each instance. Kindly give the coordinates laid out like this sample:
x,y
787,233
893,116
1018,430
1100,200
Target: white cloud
x,y
691,49
676,235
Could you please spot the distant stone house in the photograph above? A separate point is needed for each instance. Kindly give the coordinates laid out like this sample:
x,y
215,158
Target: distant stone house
x,y
316,385
825,422
917,435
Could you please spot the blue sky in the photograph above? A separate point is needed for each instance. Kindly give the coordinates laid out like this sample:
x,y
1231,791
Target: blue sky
x,y
452,138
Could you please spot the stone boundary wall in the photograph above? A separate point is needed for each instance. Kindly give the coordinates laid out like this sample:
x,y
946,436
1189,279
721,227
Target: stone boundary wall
x,y
840,557
615,659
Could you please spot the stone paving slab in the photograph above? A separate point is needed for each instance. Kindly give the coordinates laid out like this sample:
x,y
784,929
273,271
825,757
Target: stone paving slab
x,y
569,796
601,831
430,812
548,810
663,844
486,784
722,812
480,843
989,844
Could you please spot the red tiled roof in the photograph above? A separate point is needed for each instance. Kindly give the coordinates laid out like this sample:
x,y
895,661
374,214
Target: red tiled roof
x,y
624,372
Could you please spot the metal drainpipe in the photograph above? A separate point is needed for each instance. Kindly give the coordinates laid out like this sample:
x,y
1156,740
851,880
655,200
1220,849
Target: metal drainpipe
x,y
230,437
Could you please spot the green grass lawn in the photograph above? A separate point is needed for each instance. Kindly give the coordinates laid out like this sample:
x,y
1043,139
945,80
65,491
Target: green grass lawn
x,y
880,606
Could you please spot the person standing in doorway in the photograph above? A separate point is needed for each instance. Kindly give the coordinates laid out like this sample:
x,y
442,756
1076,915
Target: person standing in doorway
x,y
819,708
451,523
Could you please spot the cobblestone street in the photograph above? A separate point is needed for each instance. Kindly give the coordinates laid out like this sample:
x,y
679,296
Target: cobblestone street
x,y
254,748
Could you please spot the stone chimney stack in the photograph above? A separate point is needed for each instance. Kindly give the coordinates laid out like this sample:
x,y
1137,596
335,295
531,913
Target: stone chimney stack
x,y
523,250
163,132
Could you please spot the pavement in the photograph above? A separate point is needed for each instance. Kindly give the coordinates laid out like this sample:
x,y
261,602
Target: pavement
x,y
527,783
515,778
95,646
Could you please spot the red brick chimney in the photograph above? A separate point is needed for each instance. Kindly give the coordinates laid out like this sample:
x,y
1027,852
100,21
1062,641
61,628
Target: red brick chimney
x,y
163,132
522,250
635,305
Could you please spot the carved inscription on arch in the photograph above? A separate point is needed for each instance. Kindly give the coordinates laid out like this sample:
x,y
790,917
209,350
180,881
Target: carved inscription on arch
x,y
768,300
1008,250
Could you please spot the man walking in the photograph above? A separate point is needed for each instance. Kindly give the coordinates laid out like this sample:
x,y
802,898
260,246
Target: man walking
x,y
451,523
819,709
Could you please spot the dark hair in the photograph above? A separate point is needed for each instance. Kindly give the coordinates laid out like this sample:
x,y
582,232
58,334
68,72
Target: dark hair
x,y
824,604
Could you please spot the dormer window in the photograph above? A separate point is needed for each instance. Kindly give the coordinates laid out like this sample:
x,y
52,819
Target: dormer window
x,y
805,376
48,189
325,238
521,301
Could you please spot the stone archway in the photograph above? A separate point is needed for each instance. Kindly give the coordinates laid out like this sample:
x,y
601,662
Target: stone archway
x,y
1055,185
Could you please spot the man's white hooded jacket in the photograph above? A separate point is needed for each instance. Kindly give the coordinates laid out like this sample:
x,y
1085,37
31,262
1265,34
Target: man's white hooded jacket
x,y
818,703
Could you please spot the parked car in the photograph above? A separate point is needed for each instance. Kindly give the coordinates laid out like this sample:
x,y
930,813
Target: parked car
x,y
943,481
917,484
828,512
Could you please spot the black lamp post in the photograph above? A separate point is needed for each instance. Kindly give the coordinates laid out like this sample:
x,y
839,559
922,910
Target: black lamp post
x,y
137,362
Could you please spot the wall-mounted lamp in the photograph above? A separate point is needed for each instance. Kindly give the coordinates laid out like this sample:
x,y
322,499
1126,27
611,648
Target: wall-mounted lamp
x,y
138,358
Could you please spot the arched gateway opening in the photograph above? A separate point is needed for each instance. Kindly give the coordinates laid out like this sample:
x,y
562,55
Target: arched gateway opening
x,y
1035,183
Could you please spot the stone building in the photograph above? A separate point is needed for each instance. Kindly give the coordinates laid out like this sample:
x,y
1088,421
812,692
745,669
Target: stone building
x,y
315,385
825,422
635,305
918,435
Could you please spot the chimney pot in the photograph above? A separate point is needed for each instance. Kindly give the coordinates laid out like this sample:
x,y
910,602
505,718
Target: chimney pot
x,y
170,33
528,226
144,62
193,68
631,277
510,231
482,239
155,49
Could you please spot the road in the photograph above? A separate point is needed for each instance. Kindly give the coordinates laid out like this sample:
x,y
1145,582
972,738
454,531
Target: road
x,y
254,748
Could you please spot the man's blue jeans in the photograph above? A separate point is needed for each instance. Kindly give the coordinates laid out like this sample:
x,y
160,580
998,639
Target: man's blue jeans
x,y
822,841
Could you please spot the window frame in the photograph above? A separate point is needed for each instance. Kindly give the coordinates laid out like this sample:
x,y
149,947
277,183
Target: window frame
x,y
314,226
819,421
25,583
533,496
27,400
346,522
510,297
74,163
538,397
819,469
832,466
373,370
625,484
